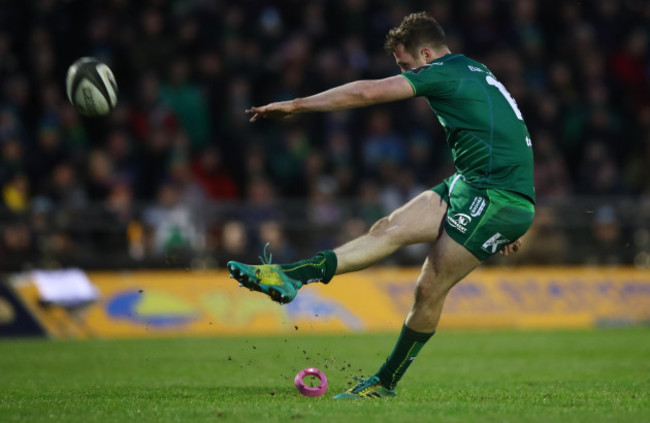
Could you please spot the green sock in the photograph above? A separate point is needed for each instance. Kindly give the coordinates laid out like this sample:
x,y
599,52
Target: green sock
x,y
320,268
407,348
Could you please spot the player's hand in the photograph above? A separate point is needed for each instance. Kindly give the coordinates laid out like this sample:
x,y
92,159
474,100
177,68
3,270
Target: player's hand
x,y
279,110
511,248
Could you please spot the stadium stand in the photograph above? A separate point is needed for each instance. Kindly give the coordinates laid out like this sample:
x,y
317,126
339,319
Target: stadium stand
x,y
178,177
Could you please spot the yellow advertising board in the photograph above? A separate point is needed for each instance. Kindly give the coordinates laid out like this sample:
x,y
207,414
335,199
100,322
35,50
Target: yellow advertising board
x,y
172,303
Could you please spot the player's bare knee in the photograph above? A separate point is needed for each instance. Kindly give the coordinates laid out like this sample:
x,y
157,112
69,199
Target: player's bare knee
x,y
387,230
379,227
429,291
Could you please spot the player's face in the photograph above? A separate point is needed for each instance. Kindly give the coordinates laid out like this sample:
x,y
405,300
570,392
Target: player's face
x,y
405,60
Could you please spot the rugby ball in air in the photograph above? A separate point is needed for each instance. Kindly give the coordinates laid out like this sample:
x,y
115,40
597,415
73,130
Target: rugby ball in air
x,y
91,87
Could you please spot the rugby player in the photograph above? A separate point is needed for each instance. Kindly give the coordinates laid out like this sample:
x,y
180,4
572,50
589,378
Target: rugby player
x,y
482,209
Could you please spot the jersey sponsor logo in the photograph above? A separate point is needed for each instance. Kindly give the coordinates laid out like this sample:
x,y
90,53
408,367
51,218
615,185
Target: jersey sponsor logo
x,y
477,206
459,221
494,244
474,68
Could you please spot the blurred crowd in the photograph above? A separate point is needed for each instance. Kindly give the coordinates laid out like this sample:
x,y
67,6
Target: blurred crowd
x,y
177,174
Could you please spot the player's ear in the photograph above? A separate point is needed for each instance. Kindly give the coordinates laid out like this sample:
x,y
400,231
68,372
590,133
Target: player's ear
x,y
426,54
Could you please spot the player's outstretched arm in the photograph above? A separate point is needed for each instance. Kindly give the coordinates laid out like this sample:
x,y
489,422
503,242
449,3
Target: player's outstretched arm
x,y
349,96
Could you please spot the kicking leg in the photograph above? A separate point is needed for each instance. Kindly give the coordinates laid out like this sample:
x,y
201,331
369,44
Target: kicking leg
x,y
416,221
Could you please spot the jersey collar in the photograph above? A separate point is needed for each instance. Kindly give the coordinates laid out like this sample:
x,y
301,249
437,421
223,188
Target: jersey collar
x,y
446,57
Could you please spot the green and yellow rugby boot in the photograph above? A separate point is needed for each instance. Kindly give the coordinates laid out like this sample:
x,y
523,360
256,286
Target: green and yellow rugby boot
x,y
266,278
367,388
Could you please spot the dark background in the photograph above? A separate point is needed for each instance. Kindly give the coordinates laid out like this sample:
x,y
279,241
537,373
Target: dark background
x,y
178,177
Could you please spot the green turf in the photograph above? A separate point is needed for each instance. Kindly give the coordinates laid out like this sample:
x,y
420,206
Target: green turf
x,y
567,376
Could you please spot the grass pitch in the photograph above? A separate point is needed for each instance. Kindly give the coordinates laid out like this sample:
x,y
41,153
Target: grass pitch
x,y
506,376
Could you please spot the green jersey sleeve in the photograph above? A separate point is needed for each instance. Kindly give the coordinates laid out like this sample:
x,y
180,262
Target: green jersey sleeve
x,y
434,80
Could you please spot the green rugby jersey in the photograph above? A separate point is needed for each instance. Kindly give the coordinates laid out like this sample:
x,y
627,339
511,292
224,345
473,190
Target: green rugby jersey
x,y
485,130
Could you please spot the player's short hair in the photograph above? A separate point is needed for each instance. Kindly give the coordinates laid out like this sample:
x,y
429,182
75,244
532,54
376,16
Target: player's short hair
x,y
415,31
